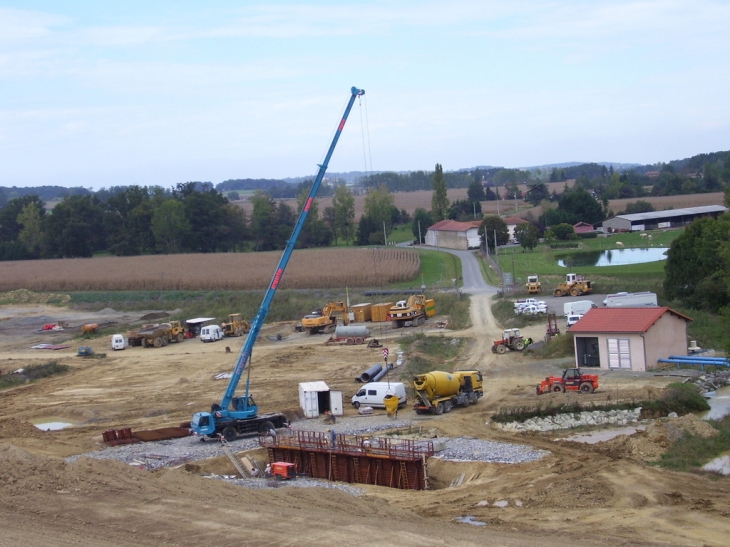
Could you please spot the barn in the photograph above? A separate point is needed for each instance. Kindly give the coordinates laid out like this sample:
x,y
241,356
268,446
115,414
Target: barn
x,y
452,234
628,338
657,220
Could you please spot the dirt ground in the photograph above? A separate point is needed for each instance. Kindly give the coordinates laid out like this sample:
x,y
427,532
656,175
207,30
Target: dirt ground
x,y
603,494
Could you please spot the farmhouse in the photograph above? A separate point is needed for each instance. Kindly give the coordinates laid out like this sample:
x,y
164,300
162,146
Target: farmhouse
x,y
629,338
512,223
657,220
454,235
583,228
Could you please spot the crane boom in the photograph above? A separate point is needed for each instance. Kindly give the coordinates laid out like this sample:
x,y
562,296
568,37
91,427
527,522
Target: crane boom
x,y
221,413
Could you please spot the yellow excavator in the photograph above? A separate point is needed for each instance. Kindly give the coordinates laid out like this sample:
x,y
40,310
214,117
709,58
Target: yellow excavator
x,y
324,321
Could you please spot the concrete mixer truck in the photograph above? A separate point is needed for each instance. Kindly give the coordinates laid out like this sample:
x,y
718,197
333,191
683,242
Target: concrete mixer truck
x,y
438,392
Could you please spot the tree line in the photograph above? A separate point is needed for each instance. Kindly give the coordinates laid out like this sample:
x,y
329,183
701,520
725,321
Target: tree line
x,y
190,217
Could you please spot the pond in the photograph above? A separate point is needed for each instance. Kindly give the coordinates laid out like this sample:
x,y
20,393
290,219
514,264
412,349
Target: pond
x,y
613,257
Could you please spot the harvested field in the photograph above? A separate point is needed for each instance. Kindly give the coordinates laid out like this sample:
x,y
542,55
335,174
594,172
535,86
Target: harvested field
x,y
315,268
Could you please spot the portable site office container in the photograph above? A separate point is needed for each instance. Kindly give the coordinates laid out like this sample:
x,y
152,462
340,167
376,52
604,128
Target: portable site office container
x,y
380,311
315,398
362,313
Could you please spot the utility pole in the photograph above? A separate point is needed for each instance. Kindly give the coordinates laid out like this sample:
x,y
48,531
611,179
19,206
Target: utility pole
x,y
420,241
385,235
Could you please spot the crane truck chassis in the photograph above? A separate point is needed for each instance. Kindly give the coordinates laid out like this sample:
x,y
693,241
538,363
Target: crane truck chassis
x,y
238,415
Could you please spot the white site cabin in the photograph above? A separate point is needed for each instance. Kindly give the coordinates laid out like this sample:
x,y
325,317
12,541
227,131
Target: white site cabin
x,y
316,398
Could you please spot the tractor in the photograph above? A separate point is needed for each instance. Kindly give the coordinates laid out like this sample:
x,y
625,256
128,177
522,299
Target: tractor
x,y
512,340
573,379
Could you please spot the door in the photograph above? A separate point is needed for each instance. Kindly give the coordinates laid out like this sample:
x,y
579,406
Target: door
x,y
619,353
336,403
311,405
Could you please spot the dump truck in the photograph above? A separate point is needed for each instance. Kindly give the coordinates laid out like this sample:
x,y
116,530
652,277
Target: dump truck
x,y
324,320
438,392
533,285
236,325
412,312
574,285
157,334
573,379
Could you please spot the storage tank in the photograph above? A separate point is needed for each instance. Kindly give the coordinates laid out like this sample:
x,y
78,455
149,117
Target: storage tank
x,y
351,331
379,312
437,384
362,312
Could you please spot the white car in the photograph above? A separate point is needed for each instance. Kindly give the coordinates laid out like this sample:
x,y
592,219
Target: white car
x,y
531,310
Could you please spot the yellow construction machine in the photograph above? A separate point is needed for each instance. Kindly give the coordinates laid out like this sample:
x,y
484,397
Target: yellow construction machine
x,y
574,285
533,285
412,312
324,320
236,325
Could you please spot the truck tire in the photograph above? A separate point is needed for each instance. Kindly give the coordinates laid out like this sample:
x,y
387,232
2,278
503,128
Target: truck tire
x,y
558,388
574,291
586,387
229,434
501,349
265,427
558,292
358,341
350,342
439,409
474,398
494,348
158,342
179,337
519,345
165,341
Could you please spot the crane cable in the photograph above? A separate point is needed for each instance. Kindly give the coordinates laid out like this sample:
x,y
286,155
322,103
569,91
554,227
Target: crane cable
x,y
365,131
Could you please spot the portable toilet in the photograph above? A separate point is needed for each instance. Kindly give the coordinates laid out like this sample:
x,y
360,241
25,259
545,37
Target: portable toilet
x,y
315,398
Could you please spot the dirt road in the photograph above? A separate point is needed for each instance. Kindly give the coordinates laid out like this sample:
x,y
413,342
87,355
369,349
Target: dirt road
x,y
601,494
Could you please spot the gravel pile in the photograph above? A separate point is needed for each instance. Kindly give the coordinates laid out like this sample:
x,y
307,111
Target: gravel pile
x,y
477,450
170,453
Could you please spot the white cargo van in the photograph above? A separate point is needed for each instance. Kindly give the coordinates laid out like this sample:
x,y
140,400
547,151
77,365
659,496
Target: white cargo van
x,y
631,300
579,307
374,393
572,319
211,333
119,341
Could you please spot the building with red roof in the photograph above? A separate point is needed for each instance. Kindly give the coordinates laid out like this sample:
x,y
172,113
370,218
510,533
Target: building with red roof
x,y
629,338
583,228
512,223
454,235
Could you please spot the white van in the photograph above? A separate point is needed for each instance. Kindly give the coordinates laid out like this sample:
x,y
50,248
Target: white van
x,y
211,333
374,393
578,307
119,341
631,300
572,319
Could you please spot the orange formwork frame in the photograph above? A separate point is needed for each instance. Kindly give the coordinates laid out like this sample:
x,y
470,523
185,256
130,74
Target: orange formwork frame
x,y
395,463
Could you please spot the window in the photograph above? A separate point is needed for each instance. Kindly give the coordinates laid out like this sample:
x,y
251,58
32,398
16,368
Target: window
x,y
619,353
372,392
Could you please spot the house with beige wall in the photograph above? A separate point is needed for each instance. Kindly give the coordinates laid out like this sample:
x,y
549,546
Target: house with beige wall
x,y
452,234
629,338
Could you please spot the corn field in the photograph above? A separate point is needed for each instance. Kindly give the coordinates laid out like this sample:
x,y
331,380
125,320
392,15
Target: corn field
x,y
307,269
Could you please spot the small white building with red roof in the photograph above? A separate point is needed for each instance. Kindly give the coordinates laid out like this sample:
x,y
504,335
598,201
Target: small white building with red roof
x,y
629,338
452,234
512,223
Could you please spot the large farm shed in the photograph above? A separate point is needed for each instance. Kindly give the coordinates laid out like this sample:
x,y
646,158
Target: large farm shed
x,y
657,220
452,234
629,338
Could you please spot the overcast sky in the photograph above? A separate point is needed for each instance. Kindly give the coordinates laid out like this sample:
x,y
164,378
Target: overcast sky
x,y
99,94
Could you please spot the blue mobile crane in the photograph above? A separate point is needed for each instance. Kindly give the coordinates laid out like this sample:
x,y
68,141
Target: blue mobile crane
x,y
238,415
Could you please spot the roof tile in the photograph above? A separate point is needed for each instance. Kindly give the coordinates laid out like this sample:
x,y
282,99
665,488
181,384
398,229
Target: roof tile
x,y
607,320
